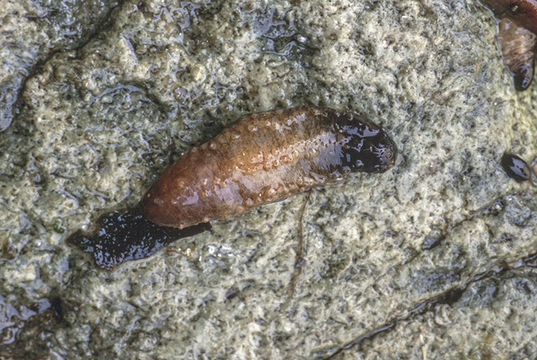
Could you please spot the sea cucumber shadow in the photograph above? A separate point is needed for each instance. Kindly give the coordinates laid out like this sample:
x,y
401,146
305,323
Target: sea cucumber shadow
x,y
125,235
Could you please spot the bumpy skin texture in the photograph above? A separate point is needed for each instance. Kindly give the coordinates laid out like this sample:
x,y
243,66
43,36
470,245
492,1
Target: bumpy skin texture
x,y
523,12
518,49
264,158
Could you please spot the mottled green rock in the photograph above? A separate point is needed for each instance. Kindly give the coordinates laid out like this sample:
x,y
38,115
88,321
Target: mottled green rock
x,y
100,122
31,31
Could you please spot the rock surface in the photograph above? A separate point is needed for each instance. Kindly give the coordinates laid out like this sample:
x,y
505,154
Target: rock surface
x,y
31,31
429,260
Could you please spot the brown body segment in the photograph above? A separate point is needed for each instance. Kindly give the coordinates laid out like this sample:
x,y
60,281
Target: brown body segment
x,y
518,37
523,12
518,50
264,158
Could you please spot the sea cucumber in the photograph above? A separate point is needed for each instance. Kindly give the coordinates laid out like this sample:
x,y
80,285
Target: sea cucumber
x,y
264,158
518,50
517,36
523,12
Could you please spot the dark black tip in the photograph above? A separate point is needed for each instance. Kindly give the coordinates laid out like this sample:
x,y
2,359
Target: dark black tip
x,y
128,235
57,307
376,154
515,167
523,78
522,82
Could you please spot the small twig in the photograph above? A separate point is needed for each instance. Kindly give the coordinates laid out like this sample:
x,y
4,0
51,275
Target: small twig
x,y
299,251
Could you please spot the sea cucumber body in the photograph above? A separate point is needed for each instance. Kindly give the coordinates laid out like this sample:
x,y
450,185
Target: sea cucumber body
x,y
264,158
518,50
523,12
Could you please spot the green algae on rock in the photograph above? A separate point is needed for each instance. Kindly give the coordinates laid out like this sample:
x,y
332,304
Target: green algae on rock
x,y
32,31
431,74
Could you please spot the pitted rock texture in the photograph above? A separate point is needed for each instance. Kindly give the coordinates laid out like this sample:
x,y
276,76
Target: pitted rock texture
x,y
32,31
100,121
